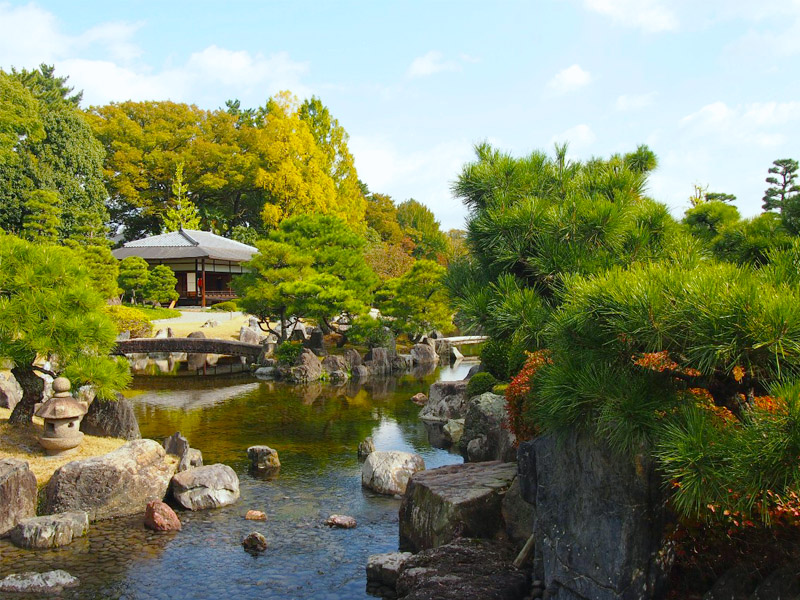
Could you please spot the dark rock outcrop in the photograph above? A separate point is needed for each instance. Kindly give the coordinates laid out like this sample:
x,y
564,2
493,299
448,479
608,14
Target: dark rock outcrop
x,y
446,400
485,436
352,358
378,362
17,493
116,484
465,568
307,368
333,363
599,519
443,504
114,418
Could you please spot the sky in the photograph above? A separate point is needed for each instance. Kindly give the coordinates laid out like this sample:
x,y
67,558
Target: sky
x,y
712,87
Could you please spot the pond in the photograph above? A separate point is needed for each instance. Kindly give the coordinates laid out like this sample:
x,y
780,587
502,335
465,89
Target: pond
x,y
316,430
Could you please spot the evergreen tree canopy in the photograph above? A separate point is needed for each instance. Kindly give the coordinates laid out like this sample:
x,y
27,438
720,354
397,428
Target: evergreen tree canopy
x,y
160,288
134,274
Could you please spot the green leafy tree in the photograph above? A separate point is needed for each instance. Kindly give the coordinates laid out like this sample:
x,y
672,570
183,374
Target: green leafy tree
x,y
134,275
103,268
160,288
417,301
183,213
49,309
381,216
420,224
20,118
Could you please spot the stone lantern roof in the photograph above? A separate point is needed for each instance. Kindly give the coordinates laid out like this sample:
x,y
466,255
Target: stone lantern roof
x,y
62,405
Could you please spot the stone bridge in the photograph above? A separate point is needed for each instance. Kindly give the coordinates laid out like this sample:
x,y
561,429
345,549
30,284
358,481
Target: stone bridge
x,y
188,345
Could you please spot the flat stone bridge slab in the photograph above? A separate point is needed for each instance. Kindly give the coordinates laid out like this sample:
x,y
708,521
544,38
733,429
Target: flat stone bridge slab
x,y
188,345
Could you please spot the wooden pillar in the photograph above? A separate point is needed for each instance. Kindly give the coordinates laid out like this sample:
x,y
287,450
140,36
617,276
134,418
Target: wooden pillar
x,y
203,304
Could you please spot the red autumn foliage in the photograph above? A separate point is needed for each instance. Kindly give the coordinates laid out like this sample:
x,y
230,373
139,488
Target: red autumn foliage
x,y
518,392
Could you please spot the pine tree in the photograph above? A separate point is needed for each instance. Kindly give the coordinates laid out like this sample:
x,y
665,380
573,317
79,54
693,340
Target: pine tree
x,y
133,276
783,188
160,286
42,216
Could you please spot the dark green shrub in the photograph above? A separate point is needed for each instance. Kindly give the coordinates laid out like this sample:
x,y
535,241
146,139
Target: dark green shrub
x,y
494,358
369,332
288,352
480,383
227,306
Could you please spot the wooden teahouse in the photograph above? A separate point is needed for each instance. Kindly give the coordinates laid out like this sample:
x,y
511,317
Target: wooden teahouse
x,y
204,263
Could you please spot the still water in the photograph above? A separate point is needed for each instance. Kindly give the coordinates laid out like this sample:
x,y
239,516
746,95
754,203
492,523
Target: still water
x,y
316,430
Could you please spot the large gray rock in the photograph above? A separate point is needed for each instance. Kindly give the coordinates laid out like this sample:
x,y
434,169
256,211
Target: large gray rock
x,y
424,354
352,358
389,472
116,484
249,335
360,372
17,493
378,361
113,418
316,342
50,531
383,570
454,501
333,363
307,368
446,400
263,458
188,457
517,515
465,568
485,435
212,486
30,582
453,431
10,390
599,519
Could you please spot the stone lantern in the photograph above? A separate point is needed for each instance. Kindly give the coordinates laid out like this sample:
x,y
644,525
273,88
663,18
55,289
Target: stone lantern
x,y
62,416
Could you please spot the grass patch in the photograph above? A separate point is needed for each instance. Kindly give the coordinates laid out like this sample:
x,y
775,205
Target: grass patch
x,y
154,312
20,442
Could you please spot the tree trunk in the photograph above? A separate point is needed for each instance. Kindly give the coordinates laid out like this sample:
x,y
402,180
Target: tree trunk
x,y
32,389
283,328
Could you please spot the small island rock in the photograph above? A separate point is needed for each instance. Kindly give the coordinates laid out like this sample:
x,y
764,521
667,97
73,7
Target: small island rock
x,y
388,472
158,516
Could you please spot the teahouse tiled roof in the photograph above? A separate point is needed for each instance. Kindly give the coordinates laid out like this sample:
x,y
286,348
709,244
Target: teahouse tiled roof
x,y
187,243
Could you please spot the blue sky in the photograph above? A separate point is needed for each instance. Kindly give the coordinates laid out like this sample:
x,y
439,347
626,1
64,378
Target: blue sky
x,y
713,89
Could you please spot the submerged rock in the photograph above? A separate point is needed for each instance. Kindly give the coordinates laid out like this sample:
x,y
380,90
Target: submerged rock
x,y
465,568
211,486
419,399
158,516
254,543
263,458
255,515
30,582
17,493
454,501
366,448
50,531
116,484
389,472
340,522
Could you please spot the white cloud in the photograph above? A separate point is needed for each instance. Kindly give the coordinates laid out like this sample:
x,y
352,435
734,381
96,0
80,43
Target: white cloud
x,y
651,16
579,137
423,173
29,35
431,63
635,101
749,124
570,79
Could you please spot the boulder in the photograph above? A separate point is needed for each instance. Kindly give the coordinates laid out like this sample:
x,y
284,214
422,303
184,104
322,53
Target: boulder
x,y
737,583
263,458
454,355
599,519
402,363
389,472
307,368
465,568
267,373
382,571
453,431
212,486
165,333
116,484
359,372
197,335
210,323
255,515
485,435
114,418
352,358
378,361
517,515
50,531
17,493
193,458
419,399
316,342
454,501
340,522
254,543
473,370
782,583
30,582
446,400
10,390
159,516
249,335
338,376
424,354
333,363
366,448
176,444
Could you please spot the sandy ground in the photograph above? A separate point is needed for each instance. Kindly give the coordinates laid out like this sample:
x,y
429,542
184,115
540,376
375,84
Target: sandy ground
x,y
229,324
20,442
